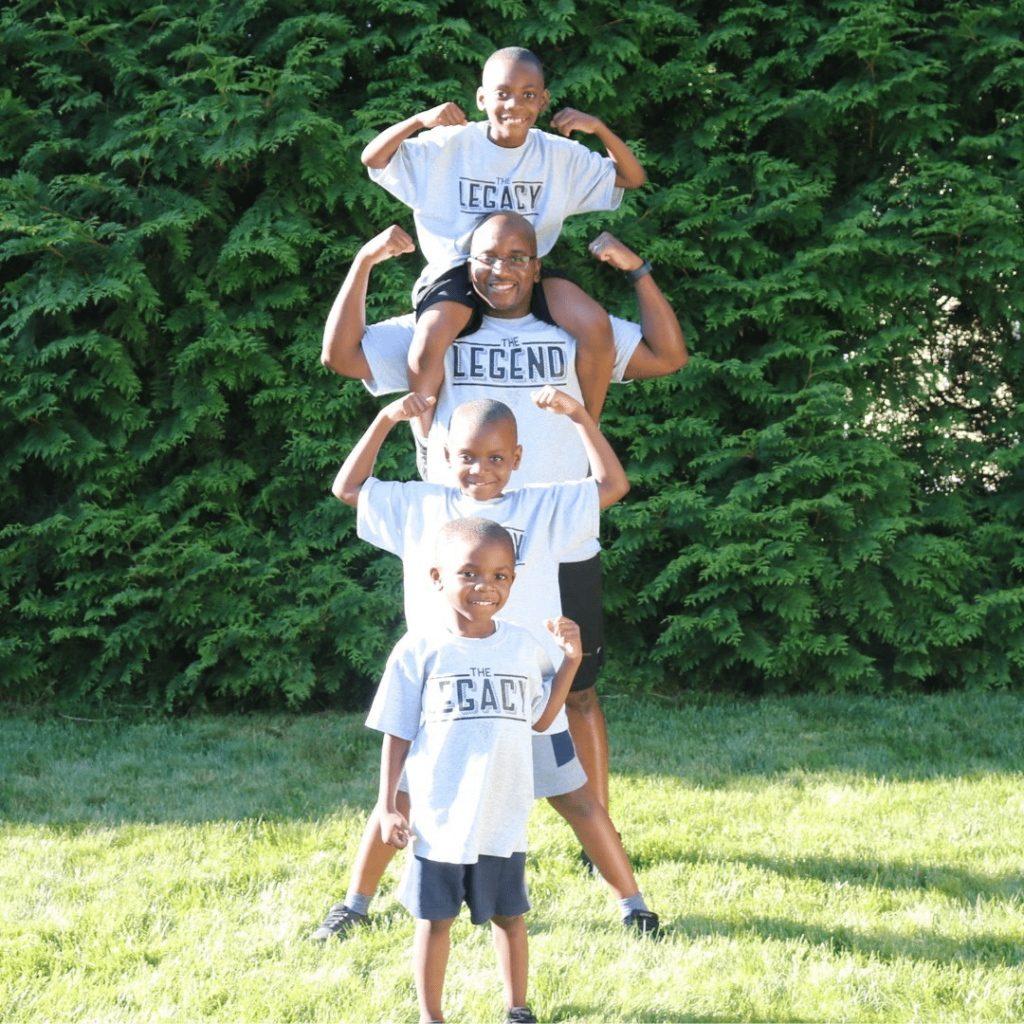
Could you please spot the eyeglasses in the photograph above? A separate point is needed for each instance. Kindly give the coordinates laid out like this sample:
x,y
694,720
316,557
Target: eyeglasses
x,y
516,261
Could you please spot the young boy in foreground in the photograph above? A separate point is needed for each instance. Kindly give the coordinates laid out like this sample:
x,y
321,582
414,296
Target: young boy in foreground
x,y
458,172
457,707
545,520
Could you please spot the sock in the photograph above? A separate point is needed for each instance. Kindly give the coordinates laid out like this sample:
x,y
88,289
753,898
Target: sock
x,y
357,902
631,903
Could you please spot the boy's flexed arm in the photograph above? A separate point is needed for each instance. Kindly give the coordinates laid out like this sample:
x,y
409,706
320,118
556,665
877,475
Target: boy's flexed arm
x,y
628,172
567,636
394,829
358,467
379,152
607,471
663,348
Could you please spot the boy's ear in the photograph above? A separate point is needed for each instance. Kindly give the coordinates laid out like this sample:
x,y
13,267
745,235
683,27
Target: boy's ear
x,y
447,457
436,577
517,455
480,94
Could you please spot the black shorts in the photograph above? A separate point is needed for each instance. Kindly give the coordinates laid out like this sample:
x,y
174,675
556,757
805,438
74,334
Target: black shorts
x,y
579,585
492,887
455,286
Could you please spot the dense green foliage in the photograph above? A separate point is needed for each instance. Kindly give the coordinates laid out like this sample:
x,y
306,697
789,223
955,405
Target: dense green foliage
x,y
830,496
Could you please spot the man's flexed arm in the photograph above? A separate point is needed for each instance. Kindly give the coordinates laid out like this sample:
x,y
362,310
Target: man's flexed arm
x,y
342,349
663,349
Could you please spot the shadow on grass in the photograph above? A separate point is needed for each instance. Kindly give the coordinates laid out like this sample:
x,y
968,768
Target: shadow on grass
x,y
951,881
729,744
63,770
873,873
579,1011
979,950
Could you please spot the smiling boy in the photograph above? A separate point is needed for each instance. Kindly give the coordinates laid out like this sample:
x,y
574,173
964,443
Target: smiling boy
x,y
457,705
457,172
482,451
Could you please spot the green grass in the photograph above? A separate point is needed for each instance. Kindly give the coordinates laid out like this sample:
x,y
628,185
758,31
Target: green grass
x,y
812,859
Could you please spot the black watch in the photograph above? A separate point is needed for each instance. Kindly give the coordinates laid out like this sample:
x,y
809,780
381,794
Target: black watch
x,y
644,268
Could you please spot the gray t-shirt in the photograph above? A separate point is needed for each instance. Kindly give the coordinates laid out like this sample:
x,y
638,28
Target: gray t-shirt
x,y
454,176
505,360
468,706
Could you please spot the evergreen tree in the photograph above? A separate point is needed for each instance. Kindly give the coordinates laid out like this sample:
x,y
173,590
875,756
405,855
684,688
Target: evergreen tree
x,y
830,496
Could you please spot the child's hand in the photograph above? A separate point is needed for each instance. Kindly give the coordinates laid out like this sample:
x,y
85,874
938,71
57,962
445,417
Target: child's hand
x,y
443,114
394,830
392,241
408,407
569,120
567,636
607,248
555,401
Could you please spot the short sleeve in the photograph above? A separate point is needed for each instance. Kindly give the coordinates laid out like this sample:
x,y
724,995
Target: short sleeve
x,y
381,512
386,350
628,336
398,701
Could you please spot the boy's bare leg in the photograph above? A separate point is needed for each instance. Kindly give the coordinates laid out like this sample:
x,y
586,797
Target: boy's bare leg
x,y
589,733
430,946
597,836
510,944
436,328
585,319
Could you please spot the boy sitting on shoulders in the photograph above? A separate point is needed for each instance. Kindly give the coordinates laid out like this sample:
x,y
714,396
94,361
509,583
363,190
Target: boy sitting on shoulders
x,y
458,172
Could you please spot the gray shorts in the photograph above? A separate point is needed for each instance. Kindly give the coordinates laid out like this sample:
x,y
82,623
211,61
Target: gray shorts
x,y
493,886
556,768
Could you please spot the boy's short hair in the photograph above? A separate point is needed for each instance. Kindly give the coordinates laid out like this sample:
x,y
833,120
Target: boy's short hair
x,y
483,412
515,55
473,528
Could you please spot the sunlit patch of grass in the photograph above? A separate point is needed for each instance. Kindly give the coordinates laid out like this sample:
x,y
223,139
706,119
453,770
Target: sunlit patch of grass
x,y
810,859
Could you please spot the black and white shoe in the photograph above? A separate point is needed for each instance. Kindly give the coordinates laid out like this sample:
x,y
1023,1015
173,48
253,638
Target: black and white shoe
x,y
520,1015
339,921
645,922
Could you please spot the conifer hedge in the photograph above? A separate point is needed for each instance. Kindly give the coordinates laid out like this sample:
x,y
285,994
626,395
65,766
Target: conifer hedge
x,y
829,497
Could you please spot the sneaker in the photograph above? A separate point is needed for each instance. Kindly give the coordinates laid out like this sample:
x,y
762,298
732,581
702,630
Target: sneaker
x,y
521,1015
339,921
644,921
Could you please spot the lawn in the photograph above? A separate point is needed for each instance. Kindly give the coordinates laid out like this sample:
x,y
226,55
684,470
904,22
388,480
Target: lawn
x,y
812,859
